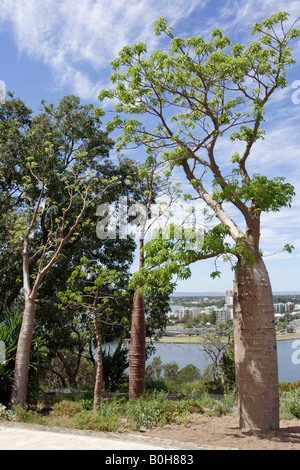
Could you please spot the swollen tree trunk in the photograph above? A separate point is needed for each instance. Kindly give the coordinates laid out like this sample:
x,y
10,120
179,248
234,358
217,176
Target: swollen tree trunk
x,y
19,389
137,354
255,348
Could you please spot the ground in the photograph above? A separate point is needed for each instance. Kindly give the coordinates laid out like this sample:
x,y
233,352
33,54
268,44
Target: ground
x,y
224,432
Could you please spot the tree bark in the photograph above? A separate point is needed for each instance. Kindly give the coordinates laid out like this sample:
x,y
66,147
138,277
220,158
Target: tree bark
x,y
19,389
255,348
99,363
99,375
137,352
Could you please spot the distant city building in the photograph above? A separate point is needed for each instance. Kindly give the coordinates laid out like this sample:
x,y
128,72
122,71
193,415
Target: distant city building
x,y
228,297
223,314
209,310
290,306
191,312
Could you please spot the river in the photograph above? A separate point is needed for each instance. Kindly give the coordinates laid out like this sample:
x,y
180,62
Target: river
x,y
288,353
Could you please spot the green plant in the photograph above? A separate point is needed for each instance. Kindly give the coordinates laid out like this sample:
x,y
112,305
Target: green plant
x,y
226,405
95,422
289,386
5,414
86,404
114,366
143,412
9,334
290,404
66,408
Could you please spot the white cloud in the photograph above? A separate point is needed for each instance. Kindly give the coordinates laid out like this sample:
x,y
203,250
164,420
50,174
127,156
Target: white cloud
x,y
78,38
237,15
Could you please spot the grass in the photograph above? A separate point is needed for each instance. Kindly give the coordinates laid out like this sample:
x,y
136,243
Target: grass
x,y
119,414
155,409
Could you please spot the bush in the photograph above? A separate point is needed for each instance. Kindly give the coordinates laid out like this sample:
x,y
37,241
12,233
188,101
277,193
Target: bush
x,y
157,410
5,414
65,408
187,381
143,412
289,386
290,404
94,422
226,405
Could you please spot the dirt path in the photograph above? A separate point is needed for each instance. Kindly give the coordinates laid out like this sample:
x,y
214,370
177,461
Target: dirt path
x,y
224,432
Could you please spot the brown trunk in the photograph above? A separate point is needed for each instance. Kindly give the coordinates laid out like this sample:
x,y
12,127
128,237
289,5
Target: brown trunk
x,y
255,348
99,375
99,364
19,390
137,353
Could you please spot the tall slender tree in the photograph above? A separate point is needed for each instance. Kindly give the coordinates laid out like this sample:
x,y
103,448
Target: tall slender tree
x,y
96,292
190,97
157,195
59,177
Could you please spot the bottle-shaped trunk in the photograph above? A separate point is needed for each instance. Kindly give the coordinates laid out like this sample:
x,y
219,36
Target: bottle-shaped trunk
x,y
137,354
255,348
19,390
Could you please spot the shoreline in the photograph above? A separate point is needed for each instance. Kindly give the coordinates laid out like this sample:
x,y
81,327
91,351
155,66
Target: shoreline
x,y
197,339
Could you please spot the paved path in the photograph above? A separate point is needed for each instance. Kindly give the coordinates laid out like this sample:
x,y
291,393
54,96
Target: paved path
x,y
19,436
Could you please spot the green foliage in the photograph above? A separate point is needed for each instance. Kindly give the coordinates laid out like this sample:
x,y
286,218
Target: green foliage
x,y
227,369
65,408
95,422
114,366
9,334
206,88
289,386
156,409
5,414
227,405
266,194
290,404
188,381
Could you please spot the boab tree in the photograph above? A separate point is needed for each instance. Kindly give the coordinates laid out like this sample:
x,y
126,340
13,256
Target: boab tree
x,y
190,97
157,195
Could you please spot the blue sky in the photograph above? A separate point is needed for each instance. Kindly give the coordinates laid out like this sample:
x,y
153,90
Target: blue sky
x,y
52,48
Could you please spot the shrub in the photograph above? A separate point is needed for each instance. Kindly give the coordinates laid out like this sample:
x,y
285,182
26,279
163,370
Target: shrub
x,y
5,414
226,405
289,386
157,410
27,416
143,412
192,406
94,422
290,404
65,408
